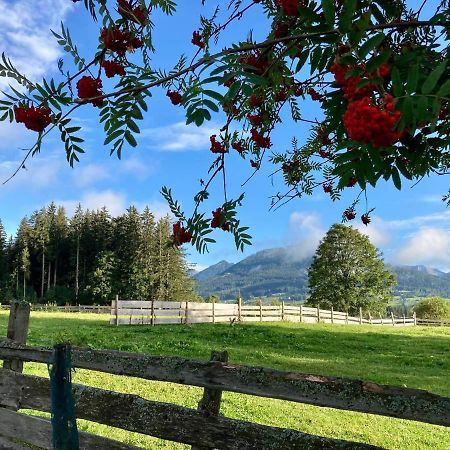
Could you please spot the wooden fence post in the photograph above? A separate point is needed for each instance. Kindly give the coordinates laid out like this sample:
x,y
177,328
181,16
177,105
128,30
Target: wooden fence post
x,y
404,319
239,308
370,318
209,405
332,315
213,312
117,310
301,313
282,310
381,318
318,313
346,318
260,311
360,316
392,318
19,318
186,313
415,318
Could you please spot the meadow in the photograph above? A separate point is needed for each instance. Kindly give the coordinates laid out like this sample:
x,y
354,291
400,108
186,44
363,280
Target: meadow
x,y
417,357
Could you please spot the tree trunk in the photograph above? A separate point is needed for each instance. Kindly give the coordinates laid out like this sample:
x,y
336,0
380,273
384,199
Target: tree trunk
x,y
77,268
54,272
43,272
49,274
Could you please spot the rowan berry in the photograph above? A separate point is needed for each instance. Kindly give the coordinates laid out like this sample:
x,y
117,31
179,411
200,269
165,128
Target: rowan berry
x,y
217,147
34,118
255,101
365,219
327,187
255,119
89,87
197,39
349,213
180,235
219,221
175,97
290,7
113,68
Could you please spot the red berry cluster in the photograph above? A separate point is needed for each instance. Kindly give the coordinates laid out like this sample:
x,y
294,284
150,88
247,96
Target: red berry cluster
x,y
281,95
291,171
255,119
348,85
350,213
254,164
89,87
372,124
280,29
180,235
327,187
259,139
113,68
238,146
119,41
33,118
197,39
259,62
315,95
351,182
136,14
175,97
219,221
217,147
289,7
365,219
255,101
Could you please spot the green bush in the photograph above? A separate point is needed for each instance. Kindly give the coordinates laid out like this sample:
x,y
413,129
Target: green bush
x,y
59,295
432,308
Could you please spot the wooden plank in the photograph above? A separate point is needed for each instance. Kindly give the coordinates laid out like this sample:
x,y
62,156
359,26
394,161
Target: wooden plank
x,y
38,431
134,304
200,306
135,321
168,421
333,392
135,312
167,320
168,312
200,319
203,313
161,304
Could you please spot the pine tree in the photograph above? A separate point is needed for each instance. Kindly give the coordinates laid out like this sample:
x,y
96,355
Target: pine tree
x,y
75,230
348,273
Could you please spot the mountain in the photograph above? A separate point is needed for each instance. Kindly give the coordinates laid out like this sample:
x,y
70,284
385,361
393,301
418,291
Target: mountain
x,y
276,272
212,271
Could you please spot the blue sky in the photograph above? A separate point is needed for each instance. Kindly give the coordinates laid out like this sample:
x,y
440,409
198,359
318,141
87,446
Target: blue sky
x,y
410,227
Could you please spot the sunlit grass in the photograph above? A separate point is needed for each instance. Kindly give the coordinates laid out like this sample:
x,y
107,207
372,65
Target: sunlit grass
x,y
416,357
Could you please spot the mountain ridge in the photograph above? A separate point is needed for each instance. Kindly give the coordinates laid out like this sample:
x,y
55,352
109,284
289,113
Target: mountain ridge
x,y
275,272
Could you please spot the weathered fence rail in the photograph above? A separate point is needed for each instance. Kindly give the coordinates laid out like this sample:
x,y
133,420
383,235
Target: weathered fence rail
x,y
153,312
202,428
67,308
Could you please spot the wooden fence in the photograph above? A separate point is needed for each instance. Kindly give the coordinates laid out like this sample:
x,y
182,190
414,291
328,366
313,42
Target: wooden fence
x,y
133,312
202,428
67,308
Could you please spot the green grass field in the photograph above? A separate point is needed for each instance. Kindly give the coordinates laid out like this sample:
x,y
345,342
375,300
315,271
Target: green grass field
x,y
416,357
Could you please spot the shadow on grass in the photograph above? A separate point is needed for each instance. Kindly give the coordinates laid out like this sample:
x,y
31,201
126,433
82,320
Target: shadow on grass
x,y
412,356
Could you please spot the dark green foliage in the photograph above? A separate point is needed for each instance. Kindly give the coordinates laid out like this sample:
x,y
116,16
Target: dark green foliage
x,y
433,308
347,273
91,258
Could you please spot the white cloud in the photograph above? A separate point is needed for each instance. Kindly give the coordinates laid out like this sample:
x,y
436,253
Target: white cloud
x,y
115,202
377,231
25,33
179,137
305,232
138,168
428,246
90,174
420,221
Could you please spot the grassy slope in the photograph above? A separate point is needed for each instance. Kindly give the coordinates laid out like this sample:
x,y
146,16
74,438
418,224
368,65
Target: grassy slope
x,y
414,357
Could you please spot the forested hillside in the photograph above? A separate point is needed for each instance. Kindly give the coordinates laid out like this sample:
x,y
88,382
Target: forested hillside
x,y
274,272
90,257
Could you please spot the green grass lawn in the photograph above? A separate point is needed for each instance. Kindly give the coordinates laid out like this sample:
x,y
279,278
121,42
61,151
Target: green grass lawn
x,y
416,357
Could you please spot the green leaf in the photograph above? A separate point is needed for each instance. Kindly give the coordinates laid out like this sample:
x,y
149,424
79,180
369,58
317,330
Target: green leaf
x,y
213,94
345,19
375,62
444,90
413,79
329,8
432,79
370,44
397,83
396,178
130,138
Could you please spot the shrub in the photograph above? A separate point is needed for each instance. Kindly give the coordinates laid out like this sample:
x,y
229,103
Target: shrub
x,y
432,308
59,295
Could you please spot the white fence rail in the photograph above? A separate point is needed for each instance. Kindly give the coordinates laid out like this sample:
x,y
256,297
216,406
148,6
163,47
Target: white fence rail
x,y
134,312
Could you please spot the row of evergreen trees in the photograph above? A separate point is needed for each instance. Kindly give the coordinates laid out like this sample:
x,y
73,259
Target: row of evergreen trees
x,y
91,257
